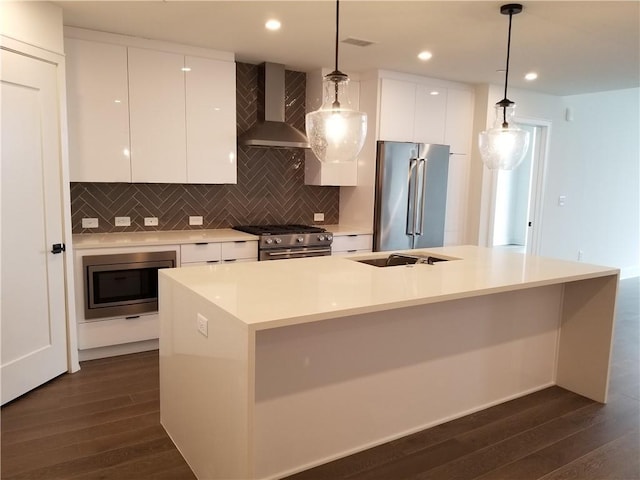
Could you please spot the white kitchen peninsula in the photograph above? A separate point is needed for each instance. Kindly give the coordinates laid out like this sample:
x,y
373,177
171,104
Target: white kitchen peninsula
x,y
269,368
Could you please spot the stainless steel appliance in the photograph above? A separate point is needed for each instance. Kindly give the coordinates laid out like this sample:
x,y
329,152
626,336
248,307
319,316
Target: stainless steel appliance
x,y
411,195
123,284
278,242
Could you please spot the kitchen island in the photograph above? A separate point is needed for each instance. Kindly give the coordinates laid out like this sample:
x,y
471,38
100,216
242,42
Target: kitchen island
x,y
270,368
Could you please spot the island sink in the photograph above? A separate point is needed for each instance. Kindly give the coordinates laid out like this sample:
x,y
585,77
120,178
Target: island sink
x,y
396,259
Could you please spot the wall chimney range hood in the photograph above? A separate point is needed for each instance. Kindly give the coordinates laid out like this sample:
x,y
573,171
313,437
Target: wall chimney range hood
x,y
271,130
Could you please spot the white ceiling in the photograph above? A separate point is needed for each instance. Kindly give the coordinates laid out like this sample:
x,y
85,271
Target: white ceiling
x,y
575,46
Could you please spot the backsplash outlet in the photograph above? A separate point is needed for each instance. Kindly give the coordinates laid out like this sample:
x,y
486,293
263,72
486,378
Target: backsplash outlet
x,y
270,186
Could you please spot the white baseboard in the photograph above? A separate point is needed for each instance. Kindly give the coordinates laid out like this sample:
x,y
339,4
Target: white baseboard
x,y
115,350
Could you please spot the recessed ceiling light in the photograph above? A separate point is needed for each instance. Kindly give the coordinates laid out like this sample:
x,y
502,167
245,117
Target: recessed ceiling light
x,y
186,69
273,24
434,92
531,76
425,55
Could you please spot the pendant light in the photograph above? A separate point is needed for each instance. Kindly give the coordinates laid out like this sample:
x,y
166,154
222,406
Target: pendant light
x,y
336,131
505,145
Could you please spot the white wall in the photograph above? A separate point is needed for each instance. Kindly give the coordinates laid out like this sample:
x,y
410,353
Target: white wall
x,y
593,161
35,23
598,163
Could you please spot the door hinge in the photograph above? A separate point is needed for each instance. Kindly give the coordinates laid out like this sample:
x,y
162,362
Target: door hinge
x,y
58,248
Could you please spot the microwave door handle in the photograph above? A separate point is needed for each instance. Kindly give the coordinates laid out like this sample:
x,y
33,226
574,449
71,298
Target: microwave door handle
x,y
411,197
423,195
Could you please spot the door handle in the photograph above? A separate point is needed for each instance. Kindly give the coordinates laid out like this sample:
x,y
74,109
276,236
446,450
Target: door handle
x,y
411,197
58,248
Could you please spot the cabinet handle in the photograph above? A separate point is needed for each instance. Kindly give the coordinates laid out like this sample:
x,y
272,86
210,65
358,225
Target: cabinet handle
x,y
353,235
239,241
132,317
202,243
351,251
230,259
213,261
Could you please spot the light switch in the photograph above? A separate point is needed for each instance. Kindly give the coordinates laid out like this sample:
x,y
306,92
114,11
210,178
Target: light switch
x,y
318,217
150,221
195,220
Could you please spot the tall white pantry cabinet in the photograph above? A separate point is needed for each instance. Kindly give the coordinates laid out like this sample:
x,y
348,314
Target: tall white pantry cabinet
x,y
144,111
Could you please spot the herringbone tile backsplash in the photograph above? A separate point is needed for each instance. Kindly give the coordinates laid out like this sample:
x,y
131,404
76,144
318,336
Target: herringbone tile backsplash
x,y
270,186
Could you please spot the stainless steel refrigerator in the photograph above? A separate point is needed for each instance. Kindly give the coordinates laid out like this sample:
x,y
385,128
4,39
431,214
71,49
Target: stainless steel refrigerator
x,y
411,195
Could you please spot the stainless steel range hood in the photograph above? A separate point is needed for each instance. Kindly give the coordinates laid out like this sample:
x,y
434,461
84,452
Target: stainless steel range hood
x,y
271,130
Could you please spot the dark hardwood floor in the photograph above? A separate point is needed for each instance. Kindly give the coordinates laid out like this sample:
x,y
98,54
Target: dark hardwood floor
x,y
103,423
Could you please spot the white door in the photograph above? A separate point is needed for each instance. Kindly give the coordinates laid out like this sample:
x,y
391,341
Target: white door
x,y
33,324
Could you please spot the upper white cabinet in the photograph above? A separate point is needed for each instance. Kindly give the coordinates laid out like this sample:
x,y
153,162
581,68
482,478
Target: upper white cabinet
x,y
149,112
98,111
315,171
459,121
211,121
157,115
425,113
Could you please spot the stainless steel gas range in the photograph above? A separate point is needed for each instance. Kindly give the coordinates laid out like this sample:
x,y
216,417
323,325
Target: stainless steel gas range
x,y
279,242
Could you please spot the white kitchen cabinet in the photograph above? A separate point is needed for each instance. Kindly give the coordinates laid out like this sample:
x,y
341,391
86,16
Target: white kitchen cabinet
x,y
430,114
210,120
352,243
459,120
200,253
397,110
412,112
315,171
98,111
194,254
157,115
456,212
241,250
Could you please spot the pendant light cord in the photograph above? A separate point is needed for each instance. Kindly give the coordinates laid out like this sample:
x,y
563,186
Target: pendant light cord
x,y
506,74
337,30
336,103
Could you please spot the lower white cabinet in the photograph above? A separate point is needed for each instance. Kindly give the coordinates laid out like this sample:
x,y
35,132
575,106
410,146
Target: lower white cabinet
x,y
195,254
117,331
354,243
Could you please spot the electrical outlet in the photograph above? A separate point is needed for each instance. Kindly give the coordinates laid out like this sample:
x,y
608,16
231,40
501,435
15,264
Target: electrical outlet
x,y
150,221
89,223
195,220
562,200
203,325
123,222
318,217
580,255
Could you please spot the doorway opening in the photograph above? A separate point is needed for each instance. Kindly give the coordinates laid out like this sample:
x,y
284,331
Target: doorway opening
x,y
517,196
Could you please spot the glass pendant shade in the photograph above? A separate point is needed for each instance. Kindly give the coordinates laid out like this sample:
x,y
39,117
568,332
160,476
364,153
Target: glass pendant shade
x,y
336,131
505,145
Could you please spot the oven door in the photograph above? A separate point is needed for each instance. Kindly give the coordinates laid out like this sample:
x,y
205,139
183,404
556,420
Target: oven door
x,y
298,252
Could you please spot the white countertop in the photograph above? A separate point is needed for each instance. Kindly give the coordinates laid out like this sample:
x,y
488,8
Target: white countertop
x,y
176,237
286,292
173,237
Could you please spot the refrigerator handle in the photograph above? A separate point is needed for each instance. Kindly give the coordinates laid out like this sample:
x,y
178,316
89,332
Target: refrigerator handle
x,y
422,165
411,197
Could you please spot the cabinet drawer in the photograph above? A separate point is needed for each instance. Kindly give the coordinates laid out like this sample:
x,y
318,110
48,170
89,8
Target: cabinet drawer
x,y
345,243
200,252
117,331
240,250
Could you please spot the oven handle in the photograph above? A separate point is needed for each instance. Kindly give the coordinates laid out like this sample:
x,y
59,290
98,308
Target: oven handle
x,y
323,250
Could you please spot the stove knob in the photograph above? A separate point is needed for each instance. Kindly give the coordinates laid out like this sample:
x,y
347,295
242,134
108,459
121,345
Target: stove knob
x,y
268,241
300,239
277,240
321,237
329,238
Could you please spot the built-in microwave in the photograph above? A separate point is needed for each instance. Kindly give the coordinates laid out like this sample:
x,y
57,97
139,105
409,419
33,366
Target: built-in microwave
x,y
123,284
